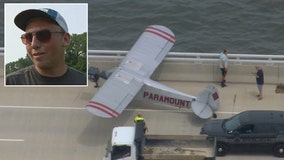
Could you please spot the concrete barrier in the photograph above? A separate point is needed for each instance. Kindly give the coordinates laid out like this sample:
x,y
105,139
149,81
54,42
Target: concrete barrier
x,y
205,71
199,70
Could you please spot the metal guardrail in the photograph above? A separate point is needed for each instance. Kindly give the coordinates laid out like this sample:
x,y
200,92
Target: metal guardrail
x,y
194,57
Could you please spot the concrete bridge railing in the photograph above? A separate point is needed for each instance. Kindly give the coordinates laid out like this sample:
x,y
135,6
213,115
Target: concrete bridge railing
x,y
198,67
201,67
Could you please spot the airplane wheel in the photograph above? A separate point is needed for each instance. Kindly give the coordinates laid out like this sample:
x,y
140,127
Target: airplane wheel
x,y
222,149
278,150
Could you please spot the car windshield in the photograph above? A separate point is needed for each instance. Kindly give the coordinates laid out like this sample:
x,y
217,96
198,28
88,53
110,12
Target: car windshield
x,y
232,123
119,152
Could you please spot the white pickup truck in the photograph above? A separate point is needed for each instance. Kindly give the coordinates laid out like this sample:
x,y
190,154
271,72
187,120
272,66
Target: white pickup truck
x,y
130,143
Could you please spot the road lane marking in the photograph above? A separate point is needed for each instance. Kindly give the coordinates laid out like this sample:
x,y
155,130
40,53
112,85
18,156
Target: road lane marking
x,y
173,110
11,140
83,108
41,107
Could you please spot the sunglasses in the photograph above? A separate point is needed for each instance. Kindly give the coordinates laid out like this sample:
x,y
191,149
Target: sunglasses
x,y
43,36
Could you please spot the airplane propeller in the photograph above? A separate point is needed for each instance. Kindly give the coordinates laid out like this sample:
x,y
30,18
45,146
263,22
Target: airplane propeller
x,y
94,74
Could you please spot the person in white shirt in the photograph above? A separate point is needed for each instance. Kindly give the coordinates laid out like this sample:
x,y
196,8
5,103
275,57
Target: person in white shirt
x,y
223,65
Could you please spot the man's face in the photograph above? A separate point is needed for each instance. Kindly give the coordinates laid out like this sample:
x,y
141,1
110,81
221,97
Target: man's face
x,y
47,54
226,52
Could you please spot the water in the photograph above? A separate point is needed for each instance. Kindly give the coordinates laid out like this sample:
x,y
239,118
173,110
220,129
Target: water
x,y
242,26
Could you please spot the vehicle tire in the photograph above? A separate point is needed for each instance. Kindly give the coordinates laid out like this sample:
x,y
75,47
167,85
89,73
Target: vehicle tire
x,y
278,150
222,149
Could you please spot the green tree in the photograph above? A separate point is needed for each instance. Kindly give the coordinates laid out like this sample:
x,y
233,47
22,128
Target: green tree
x,y
16,65
75,53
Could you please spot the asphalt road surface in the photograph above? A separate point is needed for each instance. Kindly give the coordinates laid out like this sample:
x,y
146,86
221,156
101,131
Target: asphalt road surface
x,y
52,123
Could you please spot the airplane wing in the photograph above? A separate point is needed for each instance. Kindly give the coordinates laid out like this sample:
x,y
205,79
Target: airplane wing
x,y
116,93
127,80
149,50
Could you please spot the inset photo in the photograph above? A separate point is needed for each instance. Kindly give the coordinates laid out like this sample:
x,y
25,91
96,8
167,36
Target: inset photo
x,y
46,44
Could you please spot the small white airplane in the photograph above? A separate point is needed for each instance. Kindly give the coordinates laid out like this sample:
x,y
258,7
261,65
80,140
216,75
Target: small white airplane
x,y
131,79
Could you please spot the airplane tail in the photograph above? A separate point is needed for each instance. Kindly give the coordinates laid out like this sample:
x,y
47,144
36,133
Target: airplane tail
x,y
206,102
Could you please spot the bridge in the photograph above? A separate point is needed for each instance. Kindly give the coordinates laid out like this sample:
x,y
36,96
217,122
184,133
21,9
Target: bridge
x,y
201,67
197,67
52,123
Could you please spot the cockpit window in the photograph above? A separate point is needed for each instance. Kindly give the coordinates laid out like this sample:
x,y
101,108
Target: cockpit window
x,y
232,123
119,152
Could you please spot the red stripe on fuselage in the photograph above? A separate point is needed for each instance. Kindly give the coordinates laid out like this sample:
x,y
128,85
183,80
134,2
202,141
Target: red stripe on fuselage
x,y
161,34
103,108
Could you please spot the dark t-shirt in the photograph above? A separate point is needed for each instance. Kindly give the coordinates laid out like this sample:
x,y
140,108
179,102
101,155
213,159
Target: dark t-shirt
x,y
260,79
29,76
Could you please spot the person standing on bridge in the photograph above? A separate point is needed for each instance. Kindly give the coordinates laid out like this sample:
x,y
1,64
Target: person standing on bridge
x,y
259,81
139,117
223,65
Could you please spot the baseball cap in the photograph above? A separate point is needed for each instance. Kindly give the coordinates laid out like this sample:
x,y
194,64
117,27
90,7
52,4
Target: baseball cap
x,y
23,18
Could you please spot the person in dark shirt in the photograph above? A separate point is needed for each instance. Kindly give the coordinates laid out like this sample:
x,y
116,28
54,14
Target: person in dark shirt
x,y
138,118
46,37
30,76
259,81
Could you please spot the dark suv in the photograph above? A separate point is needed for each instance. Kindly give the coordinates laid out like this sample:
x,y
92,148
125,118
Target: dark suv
x,y
257,127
